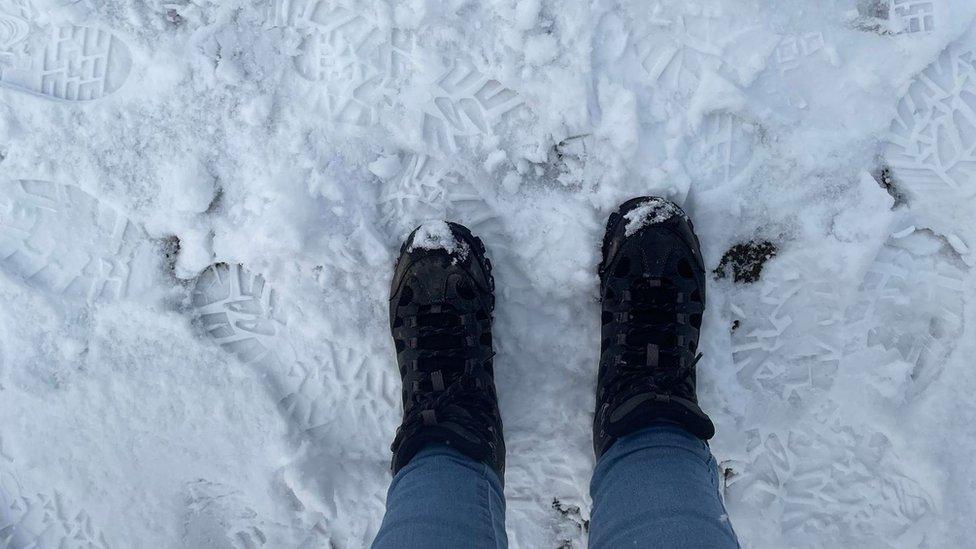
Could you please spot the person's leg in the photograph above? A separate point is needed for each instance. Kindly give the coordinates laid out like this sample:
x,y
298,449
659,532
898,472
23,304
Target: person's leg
x,y
443,498
658,487
656,482
448,453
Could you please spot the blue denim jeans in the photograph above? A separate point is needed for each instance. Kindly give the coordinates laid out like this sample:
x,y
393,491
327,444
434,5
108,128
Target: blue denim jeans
x,y
658,486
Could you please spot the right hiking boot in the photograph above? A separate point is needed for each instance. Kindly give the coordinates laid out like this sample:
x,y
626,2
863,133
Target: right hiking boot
x,y
652,288
441,305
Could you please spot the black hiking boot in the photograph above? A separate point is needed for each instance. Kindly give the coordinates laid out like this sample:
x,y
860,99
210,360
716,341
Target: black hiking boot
x,y
441,304
652,285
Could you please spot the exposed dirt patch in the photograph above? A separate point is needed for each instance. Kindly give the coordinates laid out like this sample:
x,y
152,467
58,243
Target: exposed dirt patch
x,y
745,261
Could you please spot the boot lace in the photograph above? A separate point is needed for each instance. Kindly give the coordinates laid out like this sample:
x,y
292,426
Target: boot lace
x,y
447,358
653,357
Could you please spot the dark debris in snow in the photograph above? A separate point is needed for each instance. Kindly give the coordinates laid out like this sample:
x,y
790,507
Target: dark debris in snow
x,y
745,261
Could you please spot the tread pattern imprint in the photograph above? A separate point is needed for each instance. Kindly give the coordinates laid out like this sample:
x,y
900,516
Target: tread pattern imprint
x,y
793,336
68,62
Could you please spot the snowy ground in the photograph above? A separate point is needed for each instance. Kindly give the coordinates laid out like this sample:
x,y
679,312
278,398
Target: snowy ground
x,y
142,141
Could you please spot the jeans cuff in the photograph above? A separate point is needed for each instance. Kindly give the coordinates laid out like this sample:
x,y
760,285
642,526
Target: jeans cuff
x,y
443,451
664,434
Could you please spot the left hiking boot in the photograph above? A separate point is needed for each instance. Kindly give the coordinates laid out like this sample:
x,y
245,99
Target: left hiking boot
x,y
652,286
441,305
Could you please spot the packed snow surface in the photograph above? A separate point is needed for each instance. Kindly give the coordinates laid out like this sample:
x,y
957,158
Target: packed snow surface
x,y
201,203
650,212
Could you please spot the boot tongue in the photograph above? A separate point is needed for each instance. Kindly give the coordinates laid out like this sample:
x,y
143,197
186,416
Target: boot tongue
x,y
644,409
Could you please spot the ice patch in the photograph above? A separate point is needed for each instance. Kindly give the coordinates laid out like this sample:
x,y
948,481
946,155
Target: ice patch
x,y
437,235
651,212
